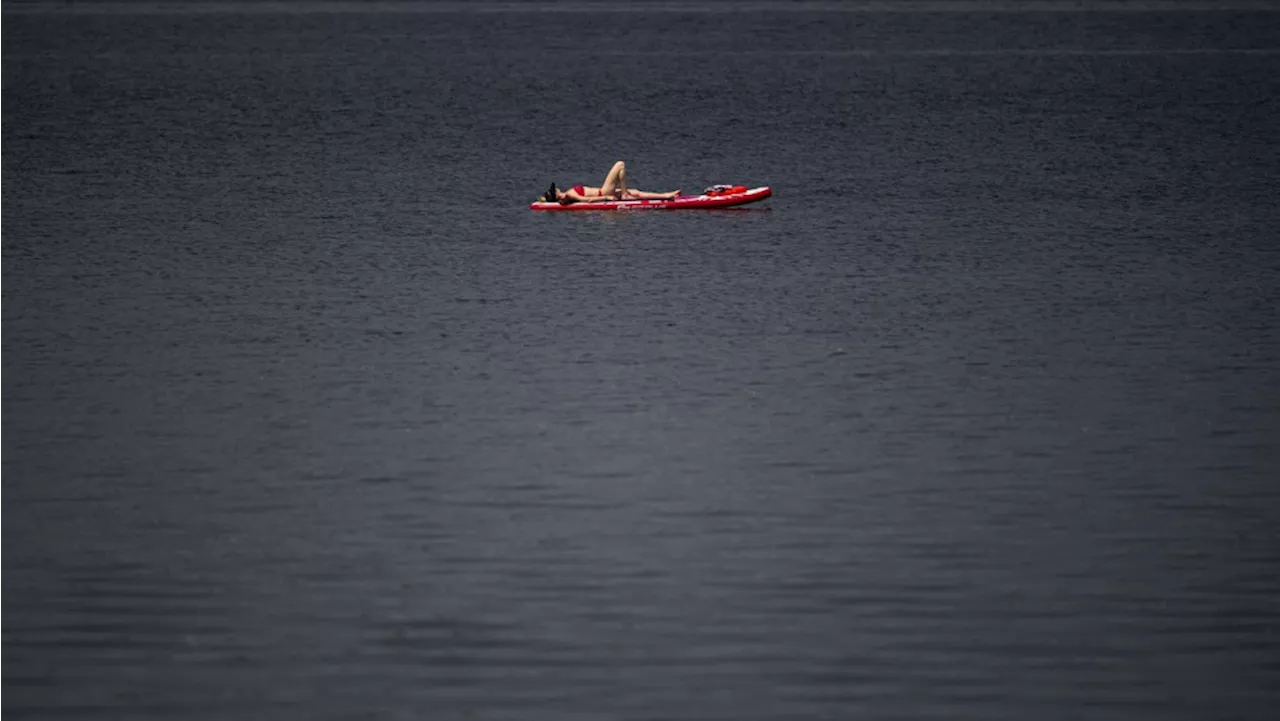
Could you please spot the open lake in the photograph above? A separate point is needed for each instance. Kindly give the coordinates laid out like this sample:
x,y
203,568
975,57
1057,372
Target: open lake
x,y
307,416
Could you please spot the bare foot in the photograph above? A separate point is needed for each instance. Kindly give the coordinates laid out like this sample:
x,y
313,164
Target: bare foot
x,y
673,194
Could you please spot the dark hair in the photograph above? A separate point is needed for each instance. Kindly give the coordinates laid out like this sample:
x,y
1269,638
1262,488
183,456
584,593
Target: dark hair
x,y
550,196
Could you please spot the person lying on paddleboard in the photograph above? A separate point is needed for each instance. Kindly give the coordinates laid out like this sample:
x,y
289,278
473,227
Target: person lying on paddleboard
x,y
613,188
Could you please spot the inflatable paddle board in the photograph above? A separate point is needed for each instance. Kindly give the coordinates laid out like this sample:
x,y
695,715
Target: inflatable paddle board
x,y
684,202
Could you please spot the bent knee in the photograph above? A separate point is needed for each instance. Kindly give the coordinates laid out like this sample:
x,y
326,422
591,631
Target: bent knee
x,y
619,165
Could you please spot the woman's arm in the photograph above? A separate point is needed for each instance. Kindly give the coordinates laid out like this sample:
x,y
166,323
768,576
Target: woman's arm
x,y
571,196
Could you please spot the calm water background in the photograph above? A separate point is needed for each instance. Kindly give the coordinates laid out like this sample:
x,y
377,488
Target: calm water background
x,y
308,417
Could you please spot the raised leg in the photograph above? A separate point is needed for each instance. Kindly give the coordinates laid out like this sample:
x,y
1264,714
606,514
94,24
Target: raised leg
x,y
615,184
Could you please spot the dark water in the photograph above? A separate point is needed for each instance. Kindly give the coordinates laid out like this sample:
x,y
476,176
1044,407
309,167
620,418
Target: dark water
x,y
308,417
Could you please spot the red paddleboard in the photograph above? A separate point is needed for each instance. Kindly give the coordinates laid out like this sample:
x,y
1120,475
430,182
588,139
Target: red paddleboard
x,y
684,202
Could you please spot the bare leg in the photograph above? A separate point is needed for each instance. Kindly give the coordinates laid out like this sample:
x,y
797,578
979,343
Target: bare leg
x,y
615,185
645,195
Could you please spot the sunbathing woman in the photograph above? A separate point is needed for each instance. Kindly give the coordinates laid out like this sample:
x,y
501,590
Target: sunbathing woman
x,y
613,188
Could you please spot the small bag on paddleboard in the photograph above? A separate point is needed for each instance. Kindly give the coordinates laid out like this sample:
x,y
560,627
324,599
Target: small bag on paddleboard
x,y
715,190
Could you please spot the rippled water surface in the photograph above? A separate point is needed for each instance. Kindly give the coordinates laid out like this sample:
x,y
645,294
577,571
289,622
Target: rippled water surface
x,y
308,417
